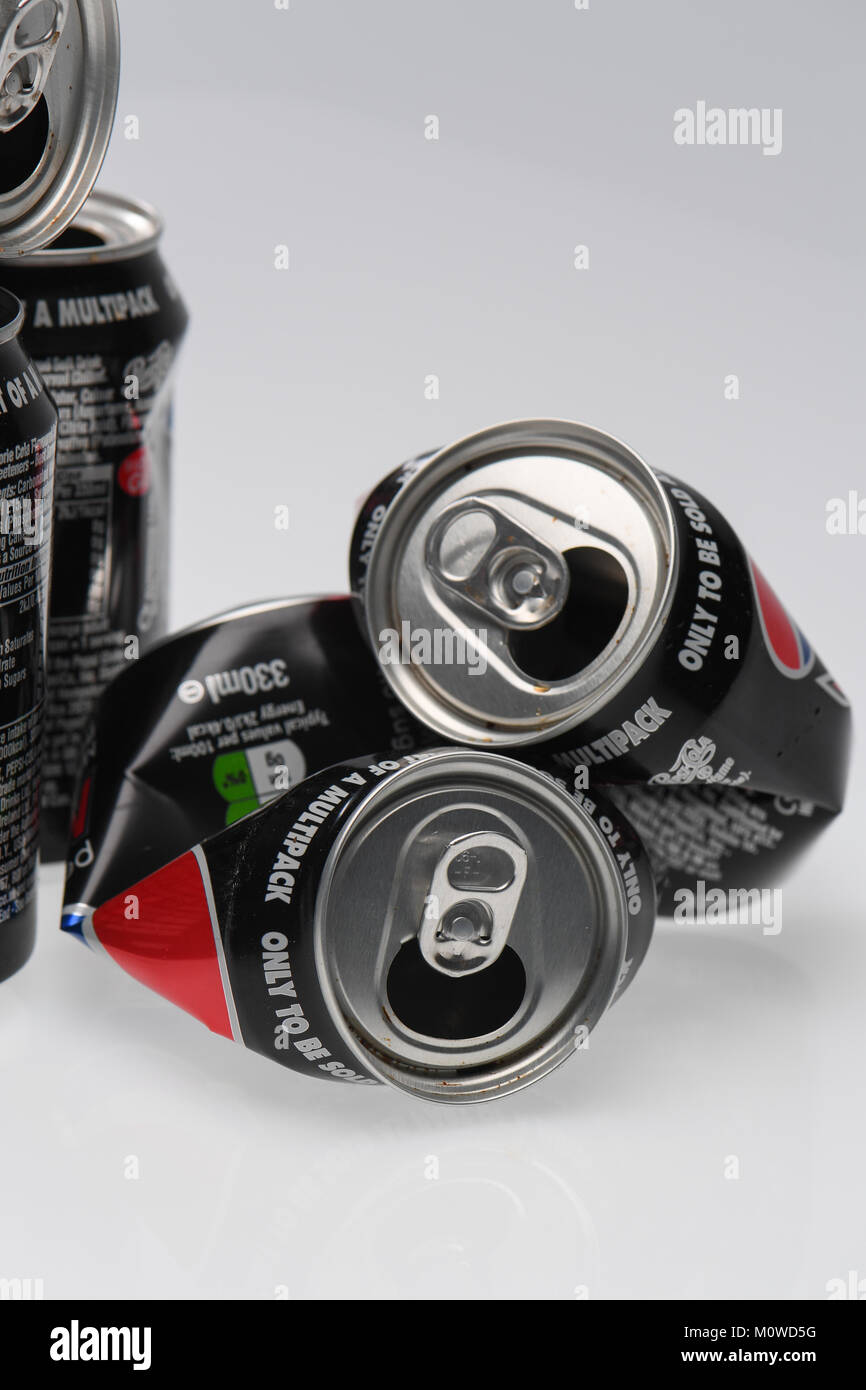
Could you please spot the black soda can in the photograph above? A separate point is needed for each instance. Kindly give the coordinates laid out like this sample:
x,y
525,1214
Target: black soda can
x,y
453,923
214,721
28,434
104,324
538,587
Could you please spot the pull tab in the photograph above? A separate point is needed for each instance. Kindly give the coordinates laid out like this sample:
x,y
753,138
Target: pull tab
x,y
485,556
471,902
28,44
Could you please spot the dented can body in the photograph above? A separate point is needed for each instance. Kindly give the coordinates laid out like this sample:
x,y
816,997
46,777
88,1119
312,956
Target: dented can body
x,y
28,433
452,923
104,323
214,721
609,617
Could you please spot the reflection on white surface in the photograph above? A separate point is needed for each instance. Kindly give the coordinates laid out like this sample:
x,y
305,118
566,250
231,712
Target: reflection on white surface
x,y
474,1224
143,1155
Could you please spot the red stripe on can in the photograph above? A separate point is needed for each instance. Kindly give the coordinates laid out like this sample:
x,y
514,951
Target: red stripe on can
x,y
778,628
160,932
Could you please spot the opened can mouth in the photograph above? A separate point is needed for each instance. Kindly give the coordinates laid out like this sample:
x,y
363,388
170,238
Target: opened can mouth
x,y
470,927
109,227
59,74
518,579
11,316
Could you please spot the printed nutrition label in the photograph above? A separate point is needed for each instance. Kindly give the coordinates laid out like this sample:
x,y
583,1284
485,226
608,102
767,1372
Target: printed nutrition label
x,y
108,551
26,469
694,833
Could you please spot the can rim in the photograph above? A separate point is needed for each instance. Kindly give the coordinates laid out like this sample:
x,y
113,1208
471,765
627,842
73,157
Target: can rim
x,y
127,227
41,207
11,316
429,704
246,611
541,1054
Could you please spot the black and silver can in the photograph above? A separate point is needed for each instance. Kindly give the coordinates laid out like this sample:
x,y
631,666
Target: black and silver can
x,y
59,72
104,324
28,432
538,587
453,923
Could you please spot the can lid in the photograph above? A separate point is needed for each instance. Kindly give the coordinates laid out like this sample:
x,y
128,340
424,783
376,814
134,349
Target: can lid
x,y
11,316
518,579
109,227
490,933
59,74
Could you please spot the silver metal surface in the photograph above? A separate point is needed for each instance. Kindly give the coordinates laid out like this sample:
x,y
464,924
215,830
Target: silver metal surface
x,y
471,902
30,31
11,316
123,227
59,72
566,924
484,557
478,540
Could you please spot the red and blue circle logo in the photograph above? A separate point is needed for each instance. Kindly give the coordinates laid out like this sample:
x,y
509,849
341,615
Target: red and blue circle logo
x,y
787,647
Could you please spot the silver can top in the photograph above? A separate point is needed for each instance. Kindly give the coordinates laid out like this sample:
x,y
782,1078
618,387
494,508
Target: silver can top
x,y
108,228
490,933
59,74
518,579
11,317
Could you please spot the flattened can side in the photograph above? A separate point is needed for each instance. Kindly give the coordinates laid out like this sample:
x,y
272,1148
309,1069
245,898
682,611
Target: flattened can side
x,y
623,625
211,723
302,930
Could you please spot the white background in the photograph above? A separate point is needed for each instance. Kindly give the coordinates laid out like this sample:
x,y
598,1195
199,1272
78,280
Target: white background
x,y
410,257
